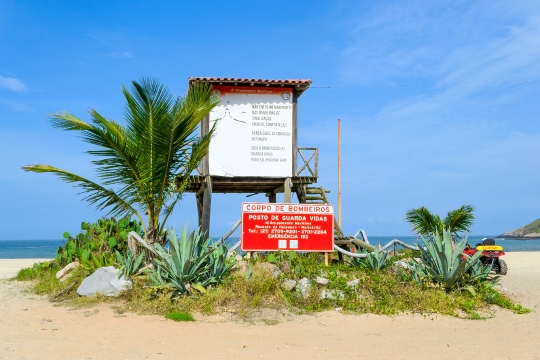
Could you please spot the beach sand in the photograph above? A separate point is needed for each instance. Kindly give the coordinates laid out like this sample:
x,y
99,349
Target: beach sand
x,y
33,328
10,267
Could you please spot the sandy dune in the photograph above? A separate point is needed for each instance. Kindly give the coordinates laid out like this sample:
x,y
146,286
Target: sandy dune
x,y
33,328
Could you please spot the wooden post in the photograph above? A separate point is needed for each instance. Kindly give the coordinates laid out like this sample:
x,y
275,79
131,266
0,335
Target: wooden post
x,y
287,191
206,206
326,259
205,163
339,171
294,133
272,197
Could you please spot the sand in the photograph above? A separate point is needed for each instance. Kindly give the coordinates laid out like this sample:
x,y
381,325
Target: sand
x,y
10,267
33,328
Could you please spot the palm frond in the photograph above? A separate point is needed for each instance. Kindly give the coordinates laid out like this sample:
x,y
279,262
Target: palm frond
x,y
460,219
96,194
142,159
423,221
66,121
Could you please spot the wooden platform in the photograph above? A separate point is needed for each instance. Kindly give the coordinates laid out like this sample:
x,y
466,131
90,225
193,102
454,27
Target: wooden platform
x,y
225,184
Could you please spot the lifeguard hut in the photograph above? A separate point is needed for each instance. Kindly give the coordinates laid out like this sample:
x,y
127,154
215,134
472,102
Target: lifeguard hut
x,y
255,146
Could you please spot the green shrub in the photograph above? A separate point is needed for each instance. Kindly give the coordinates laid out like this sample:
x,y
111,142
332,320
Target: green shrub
x,y
179,316
35,271
94,262
104,236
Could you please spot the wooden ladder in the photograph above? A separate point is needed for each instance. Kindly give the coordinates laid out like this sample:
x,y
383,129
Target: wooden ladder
x,y
317,195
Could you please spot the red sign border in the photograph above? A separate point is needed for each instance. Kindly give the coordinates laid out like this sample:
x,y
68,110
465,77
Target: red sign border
x,y
273,250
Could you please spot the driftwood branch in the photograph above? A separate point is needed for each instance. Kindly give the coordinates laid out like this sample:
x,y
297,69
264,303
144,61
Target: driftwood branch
x,y
230,231
63,292
143,243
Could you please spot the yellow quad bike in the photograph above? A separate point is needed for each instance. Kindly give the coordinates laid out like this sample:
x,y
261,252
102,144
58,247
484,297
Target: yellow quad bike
x,y
491,254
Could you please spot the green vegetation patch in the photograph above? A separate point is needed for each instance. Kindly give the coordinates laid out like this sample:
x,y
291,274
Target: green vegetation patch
x,y
179,316
533,227
248,290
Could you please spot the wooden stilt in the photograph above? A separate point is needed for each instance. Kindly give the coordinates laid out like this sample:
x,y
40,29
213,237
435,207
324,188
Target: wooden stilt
x,y
287,191
206,207
199,200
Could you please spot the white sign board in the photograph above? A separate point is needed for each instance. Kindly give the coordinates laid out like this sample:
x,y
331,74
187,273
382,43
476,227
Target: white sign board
x,y
254,134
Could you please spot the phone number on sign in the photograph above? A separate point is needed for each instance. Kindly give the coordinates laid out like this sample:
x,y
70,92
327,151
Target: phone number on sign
x,y
278,231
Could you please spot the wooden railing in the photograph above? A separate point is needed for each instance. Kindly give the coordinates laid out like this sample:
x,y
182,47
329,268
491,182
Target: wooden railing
x,y
311,165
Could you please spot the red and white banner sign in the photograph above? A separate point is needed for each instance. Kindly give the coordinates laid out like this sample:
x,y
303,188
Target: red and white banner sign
x,y
298,227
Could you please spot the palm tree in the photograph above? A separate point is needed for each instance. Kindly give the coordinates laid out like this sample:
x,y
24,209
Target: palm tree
x,y
425,223
139,162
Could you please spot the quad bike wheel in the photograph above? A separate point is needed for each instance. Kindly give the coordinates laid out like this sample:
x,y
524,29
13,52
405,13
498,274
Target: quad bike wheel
x,y
503,268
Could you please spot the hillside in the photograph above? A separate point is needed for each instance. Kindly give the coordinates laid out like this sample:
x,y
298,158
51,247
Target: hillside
x,y
531,231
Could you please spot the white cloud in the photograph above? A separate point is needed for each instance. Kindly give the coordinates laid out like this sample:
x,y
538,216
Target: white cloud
x,y
419,42
116,54
12,84
16,106
116,41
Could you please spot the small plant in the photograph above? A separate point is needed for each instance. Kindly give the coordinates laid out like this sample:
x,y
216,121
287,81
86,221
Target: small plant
x,y
129,265
289,257
282,256
373,261
179,316
190,263
95,262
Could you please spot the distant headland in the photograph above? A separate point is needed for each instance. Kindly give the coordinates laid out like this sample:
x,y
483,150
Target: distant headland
x,y
527,232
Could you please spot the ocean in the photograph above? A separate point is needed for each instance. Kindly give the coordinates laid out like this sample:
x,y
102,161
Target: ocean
x,y
46,249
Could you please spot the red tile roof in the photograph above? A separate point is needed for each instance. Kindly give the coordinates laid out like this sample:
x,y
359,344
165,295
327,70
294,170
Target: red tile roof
x,y
299,84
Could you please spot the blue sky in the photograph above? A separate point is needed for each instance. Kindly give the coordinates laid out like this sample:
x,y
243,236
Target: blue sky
x,y
438,100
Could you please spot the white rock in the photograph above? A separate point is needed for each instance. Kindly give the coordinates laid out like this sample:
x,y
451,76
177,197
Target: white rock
x,y
104,281
304,287
288,285
332,294
238,257
66,269
321,281
399,265
266,266
353,283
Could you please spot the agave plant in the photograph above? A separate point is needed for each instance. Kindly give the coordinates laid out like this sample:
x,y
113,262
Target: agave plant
x,y
441,263
189,263
373,261
129,264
